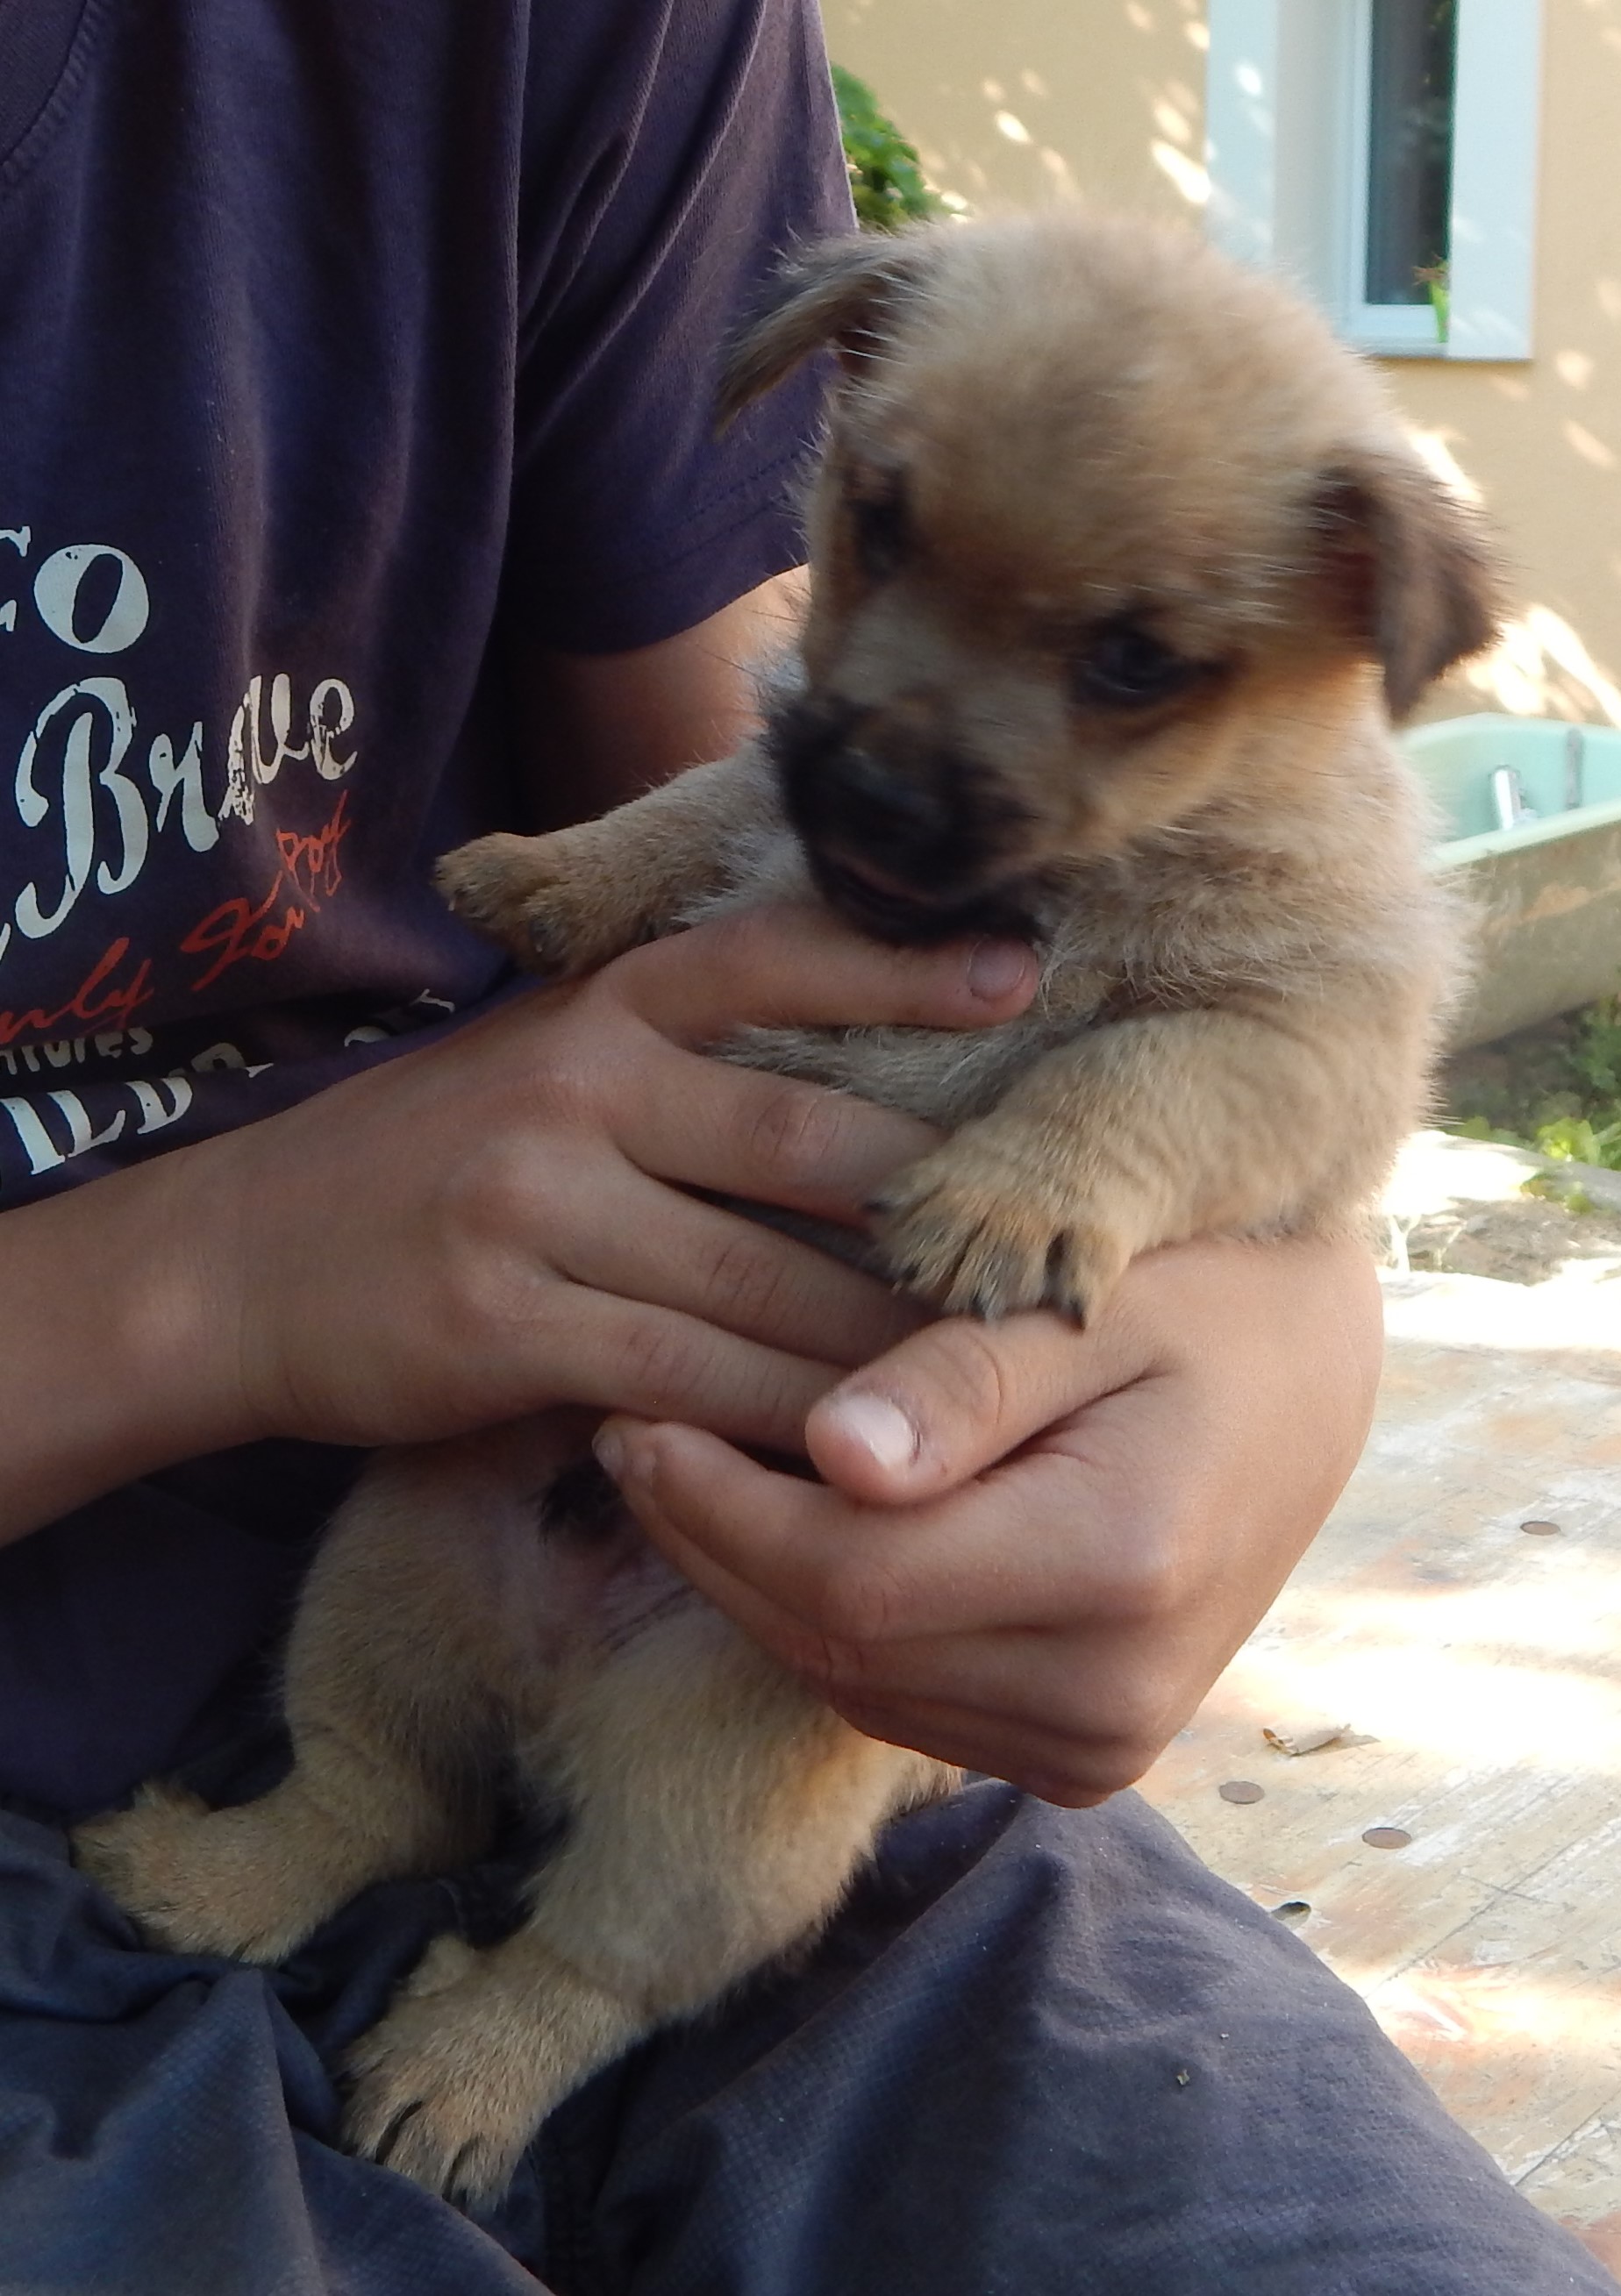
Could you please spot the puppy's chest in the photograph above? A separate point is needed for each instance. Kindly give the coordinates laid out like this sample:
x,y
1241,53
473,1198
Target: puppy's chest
x,y
944,1077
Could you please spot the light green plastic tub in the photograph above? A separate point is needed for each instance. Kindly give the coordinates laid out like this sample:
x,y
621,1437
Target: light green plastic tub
x,y
1547,888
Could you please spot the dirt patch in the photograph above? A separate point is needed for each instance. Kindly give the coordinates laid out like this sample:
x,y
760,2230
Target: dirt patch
x,y
1525,1240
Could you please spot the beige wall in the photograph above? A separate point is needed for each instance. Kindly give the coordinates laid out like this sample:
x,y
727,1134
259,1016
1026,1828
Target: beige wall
x,y
1015,101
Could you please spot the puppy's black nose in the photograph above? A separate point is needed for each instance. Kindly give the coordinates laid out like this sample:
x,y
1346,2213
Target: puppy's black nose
x,y
889,810
905,834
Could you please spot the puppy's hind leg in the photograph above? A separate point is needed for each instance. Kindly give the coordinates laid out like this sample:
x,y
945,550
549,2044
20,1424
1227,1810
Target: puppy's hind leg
x,y
392,1721
254,1880
719,1812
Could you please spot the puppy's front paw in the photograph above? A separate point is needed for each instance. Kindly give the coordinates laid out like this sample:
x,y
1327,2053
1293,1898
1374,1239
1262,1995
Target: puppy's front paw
x,y
541,898
452,2085
978,1230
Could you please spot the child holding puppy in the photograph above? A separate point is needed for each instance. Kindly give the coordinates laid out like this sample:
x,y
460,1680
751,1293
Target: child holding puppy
x,y
361,496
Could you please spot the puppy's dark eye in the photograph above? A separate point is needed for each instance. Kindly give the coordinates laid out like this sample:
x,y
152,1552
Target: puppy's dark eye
x,y
1127,668
880,530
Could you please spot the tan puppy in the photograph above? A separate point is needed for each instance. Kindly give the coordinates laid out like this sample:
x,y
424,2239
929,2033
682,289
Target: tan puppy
x,y
1121,567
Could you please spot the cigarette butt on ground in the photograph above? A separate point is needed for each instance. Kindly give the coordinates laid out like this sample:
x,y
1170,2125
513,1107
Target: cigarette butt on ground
x,y
1303,1737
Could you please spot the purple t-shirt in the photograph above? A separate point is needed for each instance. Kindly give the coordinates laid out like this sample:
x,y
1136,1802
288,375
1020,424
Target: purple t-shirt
x,y
348,349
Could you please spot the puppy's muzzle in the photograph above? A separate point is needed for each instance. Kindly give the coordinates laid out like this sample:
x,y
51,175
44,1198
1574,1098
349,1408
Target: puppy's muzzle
x,y
911,839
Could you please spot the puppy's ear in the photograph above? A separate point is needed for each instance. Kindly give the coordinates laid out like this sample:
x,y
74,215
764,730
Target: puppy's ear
x,y
848,293
1410,566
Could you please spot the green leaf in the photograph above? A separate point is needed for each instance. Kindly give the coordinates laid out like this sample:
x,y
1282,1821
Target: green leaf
x,y
1481,1127
1577,1140
1550,1189
1569,1140
886,178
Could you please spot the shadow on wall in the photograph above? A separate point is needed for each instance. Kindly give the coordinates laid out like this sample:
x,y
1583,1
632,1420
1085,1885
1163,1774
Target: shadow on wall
x,y
1542,441
1540,668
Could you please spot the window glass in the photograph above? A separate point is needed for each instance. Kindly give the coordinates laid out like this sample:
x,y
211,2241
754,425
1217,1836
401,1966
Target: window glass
x,y
1412,48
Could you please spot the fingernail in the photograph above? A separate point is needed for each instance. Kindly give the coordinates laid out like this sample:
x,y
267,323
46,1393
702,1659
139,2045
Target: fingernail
x,y
880,1428
997,967
610,1448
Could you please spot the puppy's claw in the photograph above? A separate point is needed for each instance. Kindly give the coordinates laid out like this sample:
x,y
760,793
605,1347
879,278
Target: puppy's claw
x,y
383,2149
452,2085
427,2101
542,899
546,952
484,881
975,1234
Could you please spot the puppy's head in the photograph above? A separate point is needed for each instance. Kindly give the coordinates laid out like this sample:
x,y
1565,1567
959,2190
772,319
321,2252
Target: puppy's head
x,y
1098,507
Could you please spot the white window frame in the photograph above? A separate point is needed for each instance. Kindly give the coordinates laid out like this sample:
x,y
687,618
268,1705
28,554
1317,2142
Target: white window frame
x,y
1287,135
1410,330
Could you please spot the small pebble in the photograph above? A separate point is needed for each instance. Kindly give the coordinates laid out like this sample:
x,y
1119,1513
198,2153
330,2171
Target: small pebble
x,y
1242,1789
1292,1910
1542,1530
1387,1837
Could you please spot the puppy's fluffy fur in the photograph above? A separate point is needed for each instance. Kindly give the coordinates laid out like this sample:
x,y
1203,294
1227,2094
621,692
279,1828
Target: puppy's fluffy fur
x,y
1121,569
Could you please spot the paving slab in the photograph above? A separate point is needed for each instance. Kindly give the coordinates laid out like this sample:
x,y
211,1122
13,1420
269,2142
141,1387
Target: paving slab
x,y
1456,1854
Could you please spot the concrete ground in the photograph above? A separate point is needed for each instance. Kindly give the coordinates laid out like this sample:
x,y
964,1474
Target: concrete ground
x,y
1455,1851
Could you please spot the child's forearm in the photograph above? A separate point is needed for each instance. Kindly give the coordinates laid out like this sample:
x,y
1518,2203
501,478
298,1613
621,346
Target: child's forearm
x,y
113,1361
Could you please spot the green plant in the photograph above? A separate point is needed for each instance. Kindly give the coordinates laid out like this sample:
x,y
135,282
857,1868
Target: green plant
x,y
1557,1089
1436,279
1577,1140
1595,1055
1550,1190
886,178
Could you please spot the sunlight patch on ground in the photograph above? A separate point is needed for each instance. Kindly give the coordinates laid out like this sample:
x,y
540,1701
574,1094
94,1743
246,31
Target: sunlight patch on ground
x,y
1495,2004
1572,1312
1388,1664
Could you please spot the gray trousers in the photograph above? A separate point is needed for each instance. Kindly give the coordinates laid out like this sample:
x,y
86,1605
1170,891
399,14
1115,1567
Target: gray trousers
x,y
1040,2051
